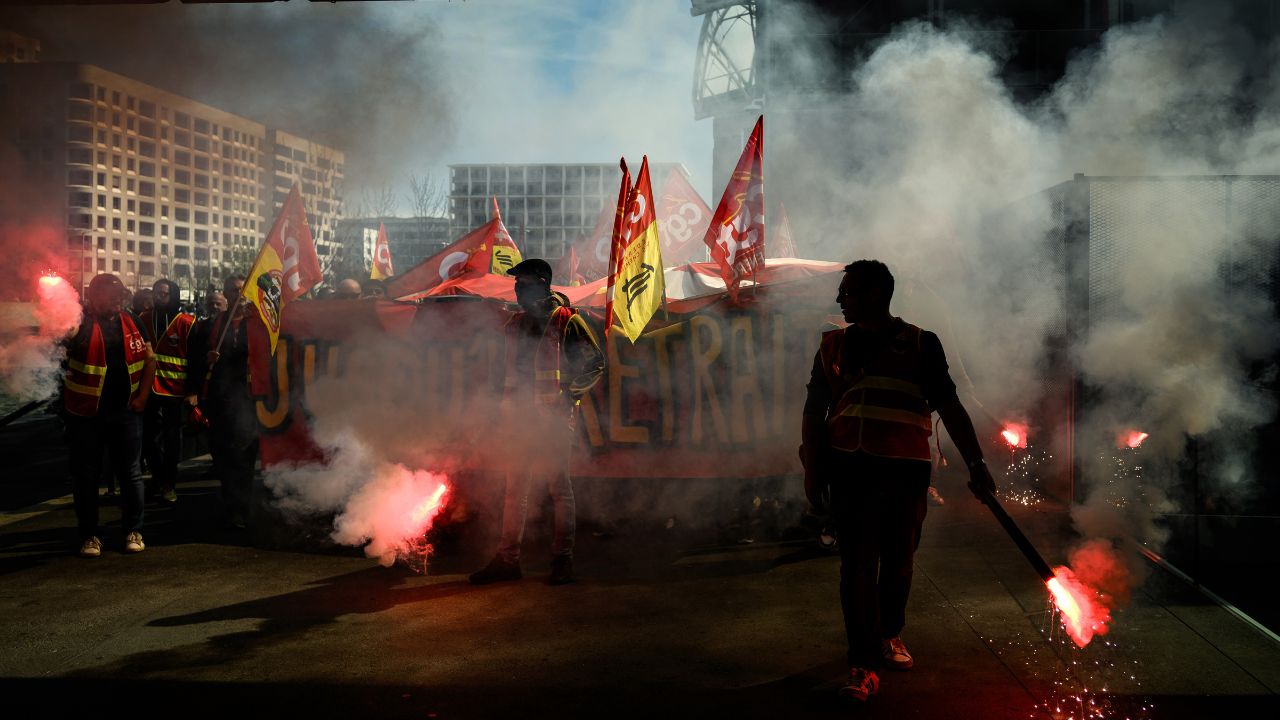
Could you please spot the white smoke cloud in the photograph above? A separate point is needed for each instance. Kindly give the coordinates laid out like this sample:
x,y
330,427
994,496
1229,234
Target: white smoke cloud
x,y
30,364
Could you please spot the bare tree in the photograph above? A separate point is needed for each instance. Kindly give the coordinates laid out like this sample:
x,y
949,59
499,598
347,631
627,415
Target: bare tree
x,y
428,196
378,200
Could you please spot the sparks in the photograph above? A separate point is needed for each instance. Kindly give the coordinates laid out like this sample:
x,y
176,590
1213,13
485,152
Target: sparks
x,y
1015,435
1131,439
1083,616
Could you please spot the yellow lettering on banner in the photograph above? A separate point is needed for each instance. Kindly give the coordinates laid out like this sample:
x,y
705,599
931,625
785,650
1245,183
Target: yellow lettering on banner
x,y
274,418
618,432
704,386
779,373
591,420
744,383
666,388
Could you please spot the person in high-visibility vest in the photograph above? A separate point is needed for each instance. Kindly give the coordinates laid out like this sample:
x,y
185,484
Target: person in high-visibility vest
x,y
867,420
109,373
168,329
552,360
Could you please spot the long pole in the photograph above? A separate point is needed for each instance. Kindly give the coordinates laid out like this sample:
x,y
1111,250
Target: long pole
x,y
1019,539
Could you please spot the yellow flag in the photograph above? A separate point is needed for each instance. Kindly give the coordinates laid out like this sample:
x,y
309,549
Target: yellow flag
x,y
505,253
286,266
640,284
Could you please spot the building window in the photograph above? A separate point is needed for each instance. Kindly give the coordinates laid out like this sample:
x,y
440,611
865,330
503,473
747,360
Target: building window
x,y
115,266
115,244
147,268
202,218
102,264
147,248
147,189
146,228
181,214
131,246
181,252
181,232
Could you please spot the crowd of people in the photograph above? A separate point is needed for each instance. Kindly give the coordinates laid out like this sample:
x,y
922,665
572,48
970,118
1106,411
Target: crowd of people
x,y
147,368
134,377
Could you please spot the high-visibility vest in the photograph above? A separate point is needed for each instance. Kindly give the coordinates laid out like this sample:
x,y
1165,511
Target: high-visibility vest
x,y
880,409
548,388
171,354
87,368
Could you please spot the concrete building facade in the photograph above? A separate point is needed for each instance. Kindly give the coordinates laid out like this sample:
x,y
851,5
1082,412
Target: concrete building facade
x,y
545,207
143,182
411,239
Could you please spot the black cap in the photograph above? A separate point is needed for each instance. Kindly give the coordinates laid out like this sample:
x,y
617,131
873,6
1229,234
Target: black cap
x,y
533,266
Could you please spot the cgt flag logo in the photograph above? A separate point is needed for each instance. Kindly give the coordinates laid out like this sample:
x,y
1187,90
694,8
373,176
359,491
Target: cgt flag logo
x,y
640,277
505,253
381,256
286,267
735,236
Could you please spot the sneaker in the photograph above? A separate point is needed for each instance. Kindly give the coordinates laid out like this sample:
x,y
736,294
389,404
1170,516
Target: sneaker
x,y
862,684
498,570
895,654
91,548
561,570
169,496
935,498
133,543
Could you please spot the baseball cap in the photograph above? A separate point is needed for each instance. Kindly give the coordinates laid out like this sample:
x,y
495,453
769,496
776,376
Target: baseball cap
x,y
533,266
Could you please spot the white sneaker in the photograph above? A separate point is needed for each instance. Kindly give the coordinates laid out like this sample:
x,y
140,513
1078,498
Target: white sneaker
x,y
133,543
91,548
895,654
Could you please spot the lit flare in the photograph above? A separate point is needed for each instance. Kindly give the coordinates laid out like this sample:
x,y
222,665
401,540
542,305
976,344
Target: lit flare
x,y
1015,434
1083,617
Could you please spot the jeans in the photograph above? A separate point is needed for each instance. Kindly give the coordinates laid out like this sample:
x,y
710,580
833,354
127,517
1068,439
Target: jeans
x,y
551,465
162,439
117,434
879,507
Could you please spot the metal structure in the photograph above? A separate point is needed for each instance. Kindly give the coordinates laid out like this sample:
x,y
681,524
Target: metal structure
x,y
725,76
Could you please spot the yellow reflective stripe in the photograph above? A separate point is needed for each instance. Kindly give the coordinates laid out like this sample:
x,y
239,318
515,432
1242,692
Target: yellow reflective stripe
x,y
86,389
172,374
870,412
86,369
135,367
880,382
172,360
548,374
133,387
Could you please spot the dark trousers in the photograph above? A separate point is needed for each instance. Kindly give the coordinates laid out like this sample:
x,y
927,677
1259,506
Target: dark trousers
x,y
117,435
162,439
233,440
879,508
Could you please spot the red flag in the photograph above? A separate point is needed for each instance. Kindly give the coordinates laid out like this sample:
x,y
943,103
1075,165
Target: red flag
x,y
381,256
286,267
481,250
683,217
593,248
566,270
615,256
783,245
736,234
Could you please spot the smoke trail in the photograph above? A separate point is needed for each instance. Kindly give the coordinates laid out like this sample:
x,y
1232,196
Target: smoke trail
x,y
30,335
933,146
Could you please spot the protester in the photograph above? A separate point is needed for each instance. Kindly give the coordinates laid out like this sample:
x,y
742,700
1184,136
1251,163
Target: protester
x,y
142,301
325,293
553,359
110,371
168,330
348,289
227,403
867,422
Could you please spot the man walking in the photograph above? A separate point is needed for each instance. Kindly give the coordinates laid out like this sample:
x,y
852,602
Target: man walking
x,y
867,422
110,371
233,424
168,329
553,359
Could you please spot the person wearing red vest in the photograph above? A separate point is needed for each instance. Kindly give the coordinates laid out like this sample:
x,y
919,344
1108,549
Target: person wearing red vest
x,y
867,421
553,359
109,372
168,329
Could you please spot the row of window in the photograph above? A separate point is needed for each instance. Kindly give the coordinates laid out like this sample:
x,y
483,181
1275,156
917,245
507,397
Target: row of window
x,y
81,134
147,228
147,109
81,199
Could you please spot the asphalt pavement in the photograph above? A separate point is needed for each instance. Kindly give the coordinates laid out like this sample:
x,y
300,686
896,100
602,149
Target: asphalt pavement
x,y
665,620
